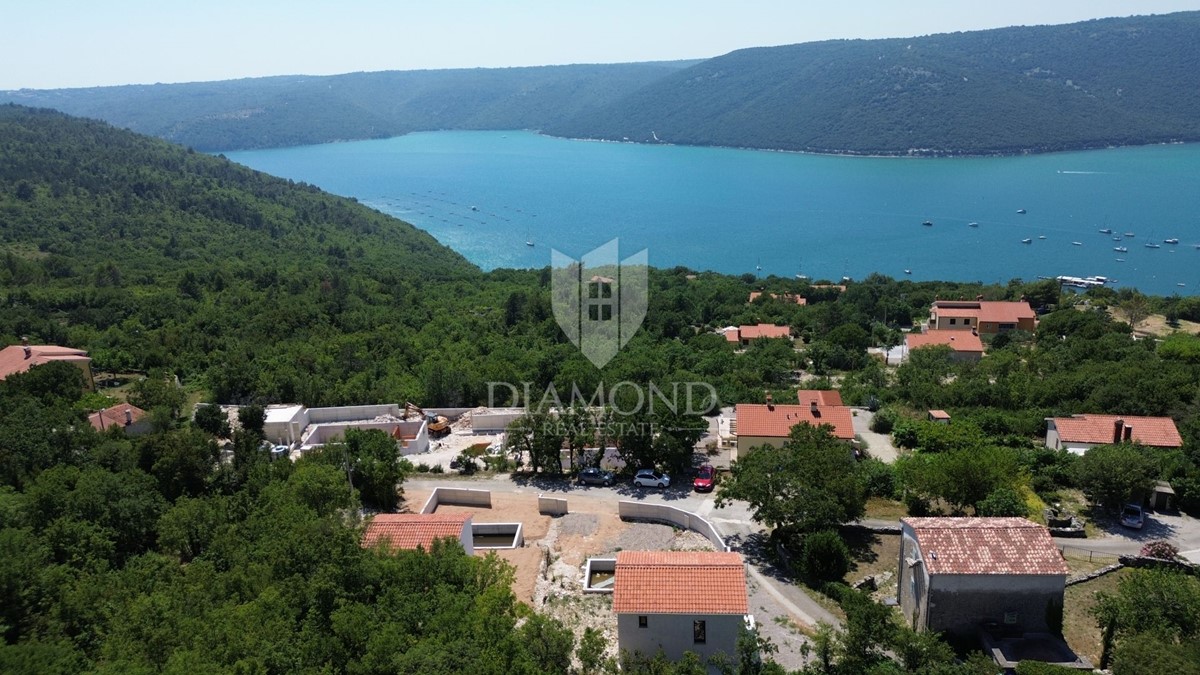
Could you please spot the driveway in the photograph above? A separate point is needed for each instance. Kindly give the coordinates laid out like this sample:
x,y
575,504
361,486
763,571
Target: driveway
x,y
878,445
1179,529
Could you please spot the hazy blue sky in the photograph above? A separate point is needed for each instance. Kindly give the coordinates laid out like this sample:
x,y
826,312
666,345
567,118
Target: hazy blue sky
x,y
73,43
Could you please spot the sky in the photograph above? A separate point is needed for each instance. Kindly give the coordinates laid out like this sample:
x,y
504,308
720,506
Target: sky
x,y
81,43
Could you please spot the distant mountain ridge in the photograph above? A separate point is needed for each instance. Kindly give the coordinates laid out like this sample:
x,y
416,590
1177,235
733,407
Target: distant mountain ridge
x,y
1121,81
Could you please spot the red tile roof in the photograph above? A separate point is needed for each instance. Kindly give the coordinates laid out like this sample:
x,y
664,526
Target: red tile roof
x,y
1159,432
786,297
764,330
991,311
115,416
410,530
777,421
13,359
821,396
680,582
958,340
939,415
986,546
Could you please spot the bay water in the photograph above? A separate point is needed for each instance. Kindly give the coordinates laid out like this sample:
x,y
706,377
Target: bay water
x,y
506,198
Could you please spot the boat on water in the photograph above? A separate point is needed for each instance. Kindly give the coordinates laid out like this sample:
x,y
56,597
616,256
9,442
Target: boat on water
x,y
928,223
1151,244
972,224
1120,260
1042,236
908,271
1171,241
474,208
1117,238
1074,243
1128,234
1181,285
1121,249
1021,211
1107,230
1026,241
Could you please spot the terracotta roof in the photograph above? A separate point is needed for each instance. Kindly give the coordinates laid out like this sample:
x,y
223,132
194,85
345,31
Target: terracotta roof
x,y
680,582
991,311
115,416
731,335
939,414
958,340
410,530
764,330
786,297
1159,432
821,396
986,546
13,359
777,421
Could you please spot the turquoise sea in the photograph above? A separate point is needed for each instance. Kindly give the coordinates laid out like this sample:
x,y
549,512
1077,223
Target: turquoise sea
x,y
487,193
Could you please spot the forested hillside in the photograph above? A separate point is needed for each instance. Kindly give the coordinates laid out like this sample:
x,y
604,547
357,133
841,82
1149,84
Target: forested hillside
x,y
301,110
1026,89
1084,85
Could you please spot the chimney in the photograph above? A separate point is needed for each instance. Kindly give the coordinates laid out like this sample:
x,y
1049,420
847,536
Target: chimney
x,y
1128,433
128,417
814,410
1118,430
25,347
770,401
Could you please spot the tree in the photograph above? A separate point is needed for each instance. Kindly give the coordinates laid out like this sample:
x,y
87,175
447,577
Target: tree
x,y
824,557
1003,501
961,477
1149,604
252,418
812,483
1110,474
1135,309
371,458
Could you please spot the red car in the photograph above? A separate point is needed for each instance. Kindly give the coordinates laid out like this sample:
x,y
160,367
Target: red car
x,y
706,478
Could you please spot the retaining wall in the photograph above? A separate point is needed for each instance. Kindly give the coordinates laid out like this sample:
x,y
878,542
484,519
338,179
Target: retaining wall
x,y
672,516
552,506
458,497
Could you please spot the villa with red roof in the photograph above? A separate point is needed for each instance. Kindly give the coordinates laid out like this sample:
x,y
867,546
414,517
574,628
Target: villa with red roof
x,y
785,297
966,345
123,416
821,396
1080,433
984,316
743,335
678,601
20,358
958,574
771,424
413,530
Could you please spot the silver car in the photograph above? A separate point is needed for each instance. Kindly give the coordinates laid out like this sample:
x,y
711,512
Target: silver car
x,y
651,478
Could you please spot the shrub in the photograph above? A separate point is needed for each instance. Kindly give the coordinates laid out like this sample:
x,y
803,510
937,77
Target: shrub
x,y
437,468
824,557
1163,550
422,468
1045,487
917,506
884,421
880,478
1003,501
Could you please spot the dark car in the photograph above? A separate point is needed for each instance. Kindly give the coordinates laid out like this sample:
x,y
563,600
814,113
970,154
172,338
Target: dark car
x,y
594,476
706,478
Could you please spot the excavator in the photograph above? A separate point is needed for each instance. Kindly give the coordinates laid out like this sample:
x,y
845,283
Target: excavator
x,y
437,425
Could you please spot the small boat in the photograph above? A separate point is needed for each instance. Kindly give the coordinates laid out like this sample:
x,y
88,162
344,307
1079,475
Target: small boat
x,y
1120,260
1117,238
1026,241
1074,243
908,271
802,277
1021,211
972,224
928,223
1181,285
474,208
1107,230
1151,244
1042,236
1128,234
1171,241
1121,249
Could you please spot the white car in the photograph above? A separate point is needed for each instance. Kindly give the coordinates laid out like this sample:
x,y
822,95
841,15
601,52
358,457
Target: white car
x,y
651,478
1133,516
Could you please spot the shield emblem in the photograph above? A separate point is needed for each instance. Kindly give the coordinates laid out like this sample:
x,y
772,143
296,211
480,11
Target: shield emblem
x,y
599,301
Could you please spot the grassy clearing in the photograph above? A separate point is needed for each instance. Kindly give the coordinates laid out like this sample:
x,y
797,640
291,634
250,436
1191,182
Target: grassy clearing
x,y
1079,627
885,509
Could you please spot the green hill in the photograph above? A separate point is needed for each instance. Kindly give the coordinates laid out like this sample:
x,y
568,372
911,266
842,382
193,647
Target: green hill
x,y
1083,85
300,110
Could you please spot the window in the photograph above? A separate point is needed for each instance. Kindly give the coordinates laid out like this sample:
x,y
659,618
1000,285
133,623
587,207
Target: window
x,y
699,632
953,321
642,622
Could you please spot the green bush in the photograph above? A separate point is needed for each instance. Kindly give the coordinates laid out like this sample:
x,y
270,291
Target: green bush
x,y
917,506
880,478
884,421
437,468
1003,501
824,557
422,468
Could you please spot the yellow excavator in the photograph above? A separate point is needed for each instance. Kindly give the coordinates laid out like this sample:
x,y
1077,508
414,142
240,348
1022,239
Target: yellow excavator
x,y
437,425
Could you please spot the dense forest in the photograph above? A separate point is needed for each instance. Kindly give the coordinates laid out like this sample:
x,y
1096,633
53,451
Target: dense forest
x,y
1093,84
165,553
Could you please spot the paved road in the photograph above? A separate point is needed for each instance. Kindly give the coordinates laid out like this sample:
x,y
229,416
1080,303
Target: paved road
x,y
878,445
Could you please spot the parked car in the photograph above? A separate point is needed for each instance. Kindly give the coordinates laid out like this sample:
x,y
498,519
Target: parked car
x,y
594,476
651,478
1133,516
706,478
